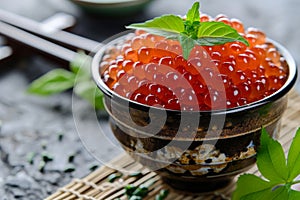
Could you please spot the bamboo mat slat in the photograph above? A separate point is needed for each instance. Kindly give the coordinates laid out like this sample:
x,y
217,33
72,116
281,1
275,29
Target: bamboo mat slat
x,y
96,187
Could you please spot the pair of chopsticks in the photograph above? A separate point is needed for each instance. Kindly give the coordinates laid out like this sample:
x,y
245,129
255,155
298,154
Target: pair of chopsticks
x,y
34,34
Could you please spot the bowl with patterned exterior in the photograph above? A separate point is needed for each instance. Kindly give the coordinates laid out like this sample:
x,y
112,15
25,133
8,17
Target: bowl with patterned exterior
x,y
193,149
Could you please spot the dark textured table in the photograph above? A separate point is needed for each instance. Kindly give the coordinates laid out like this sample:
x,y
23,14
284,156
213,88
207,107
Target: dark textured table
x,y
31,124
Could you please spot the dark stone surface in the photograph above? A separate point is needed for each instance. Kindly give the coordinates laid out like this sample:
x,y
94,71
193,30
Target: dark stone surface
x,y
32,124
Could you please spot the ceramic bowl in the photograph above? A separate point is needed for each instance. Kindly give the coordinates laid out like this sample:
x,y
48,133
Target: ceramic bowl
x,y
196,151
112,7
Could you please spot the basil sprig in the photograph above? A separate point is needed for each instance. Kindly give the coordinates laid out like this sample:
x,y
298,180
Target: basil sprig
x,y
190,31
78,78
279,173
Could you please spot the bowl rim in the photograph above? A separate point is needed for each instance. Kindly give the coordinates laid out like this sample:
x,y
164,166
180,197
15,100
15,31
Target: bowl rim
x,y
290,82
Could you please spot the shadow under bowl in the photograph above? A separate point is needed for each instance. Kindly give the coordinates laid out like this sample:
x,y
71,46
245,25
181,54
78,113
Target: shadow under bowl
x,y
196,151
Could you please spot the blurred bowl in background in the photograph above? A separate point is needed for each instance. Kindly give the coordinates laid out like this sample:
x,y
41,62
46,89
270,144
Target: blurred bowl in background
x,y
112,7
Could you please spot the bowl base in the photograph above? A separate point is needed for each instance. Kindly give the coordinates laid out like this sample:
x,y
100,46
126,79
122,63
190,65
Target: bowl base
x,y
198,187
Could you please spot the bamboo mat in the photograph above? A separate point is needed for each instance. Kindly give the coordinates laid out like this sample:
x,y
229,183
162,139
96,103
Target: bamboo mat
x,y
95,186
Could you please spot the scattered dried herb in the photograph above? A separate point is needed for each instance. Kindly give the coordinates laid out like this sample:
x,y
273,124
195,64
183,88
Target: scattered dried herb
x,y
71,158
44,145
30,157
60,136
46,157
141,191
129,189
135,174
162,195
69,169
135,198
138,193
93,167
42,166
111,178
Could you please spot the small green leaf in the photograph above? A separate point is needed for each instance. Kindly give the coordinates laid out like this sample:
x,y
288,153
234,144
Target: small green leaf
x,y
194,14
217,33
248,184
187,44
271,160
166,25
293,160
89,91
55,81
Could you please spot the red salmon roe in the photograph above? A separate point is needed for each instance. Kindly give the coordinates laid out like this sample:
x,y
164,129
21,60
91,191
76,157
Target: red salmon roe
x,y
151,70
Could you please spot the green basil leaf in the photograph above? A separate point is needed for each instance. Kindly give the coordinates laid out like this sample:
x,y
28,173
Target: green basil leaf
x,y
187,44
271,160
55,81
248,184
212,41
216,33
203,33
89,91
194,14
166,25
272,165
293,161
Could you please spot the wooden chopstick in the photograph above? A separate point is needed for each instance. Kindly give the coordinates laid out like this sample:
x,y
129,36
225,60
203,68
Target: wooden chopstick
x,y
36,42
60,36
